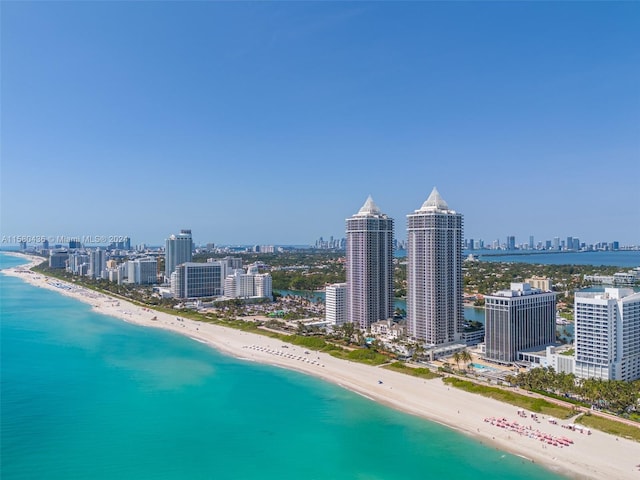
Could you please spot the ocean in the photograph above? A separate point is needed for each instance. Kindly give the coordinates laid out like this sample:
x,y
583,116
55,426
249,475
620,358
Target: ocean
x,y
86,396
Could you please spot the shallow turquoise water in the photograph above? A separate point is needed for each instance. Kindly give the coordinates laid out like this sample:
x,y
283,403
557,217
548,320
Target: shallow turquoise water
x,y
88,396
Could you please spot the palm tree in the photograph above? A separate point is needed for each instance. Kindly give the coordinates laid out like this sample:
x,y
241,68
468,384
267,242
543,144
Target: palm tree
x,y
465,356
457,357
418,351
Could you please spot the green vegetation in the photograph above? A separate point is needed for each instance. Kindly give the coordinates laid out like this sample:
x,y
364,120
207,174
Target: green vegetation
x,y
295,270
365,355
615,396
537,405
415,372
464,356
361,355
610,426
313,343
489,277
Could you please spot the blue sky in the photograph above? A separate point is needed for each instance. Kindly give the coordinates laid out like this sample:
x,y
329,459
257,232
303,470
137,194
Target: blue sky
x,y
270,123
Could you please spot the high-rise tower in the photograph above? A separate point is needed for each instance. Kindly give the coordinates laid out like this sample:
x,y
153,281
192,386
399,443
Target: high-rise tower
x,y
607,334
435,313
178,250
369,266
519,318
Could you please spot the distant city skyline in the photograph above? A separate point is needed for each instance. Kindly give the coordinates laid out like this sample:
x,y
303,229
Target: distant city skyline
x,y
258,122
331,242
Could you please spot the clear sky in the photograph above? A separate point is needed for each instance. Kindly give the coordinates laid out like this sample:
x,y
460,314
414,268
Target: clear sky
x,y
270,123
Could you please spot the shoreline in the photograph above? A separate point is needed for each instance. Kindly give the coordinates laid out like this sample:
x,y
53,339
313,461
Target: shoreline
x,y
599,455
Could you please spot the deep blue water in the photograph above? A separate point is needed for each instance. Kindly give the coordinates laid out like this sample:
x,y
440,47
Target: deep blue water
x,y
622,258
85,396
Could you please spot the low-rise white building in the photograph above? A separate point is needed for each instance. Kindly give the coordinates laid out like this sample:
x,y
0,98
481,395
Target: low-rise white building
x,y
550,357
388,329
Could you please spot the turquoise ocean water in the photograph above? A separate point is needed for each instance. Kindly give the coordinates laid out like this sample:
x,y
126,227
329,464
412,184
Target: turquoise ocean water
x,y
85,396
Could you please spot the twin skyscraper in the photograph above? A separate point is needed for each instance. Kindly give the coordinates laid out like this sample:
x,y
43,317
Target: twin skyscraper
x,y
435,312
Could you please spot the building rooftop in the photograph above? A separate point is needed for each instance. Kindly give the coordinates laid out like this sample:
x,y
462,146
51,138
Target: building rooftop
x,y
369,209
435,203
517,290
608,294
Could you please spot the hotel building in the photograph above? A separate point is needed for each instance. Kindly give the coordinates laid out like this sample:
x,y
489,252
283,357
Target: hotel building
x,y
142,271
607,334
178,249
369,266
435,312
263,285
247,285
196,280
521,318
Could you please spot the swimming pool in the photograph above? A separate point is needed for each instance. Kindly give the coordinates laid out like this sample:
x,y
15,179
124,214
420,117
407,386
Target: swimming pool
x,y
477,366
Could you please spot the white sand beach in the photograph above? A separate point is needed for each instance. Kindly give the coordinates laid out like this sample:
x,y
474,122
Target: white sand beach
x,y
578,455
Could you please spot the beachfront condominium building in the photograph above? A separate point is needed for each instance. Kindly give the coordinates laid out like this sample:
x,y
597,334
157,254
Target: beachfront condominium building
x,y
517,319
76,262
241,284
178,249
232,263
263,285
58,258
369,266
607,334
196,280
336,303
97,263
435,313
142,271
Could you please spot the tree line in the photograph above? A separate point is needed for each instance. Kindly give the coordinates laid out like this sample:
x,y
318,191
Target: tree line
x,y
616,396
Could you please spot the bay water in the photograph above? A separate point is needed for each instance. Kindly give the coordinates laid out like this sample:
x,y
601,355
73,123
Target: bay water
x,y
87,396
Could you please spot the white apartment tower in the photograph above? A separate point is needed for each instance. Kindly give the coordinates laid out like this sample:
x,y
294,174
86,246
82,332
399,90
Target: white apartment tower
x,y
178,249
607,334
520,318
369,266
263,285
336,303
435,313
142,271
97,263
250,284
